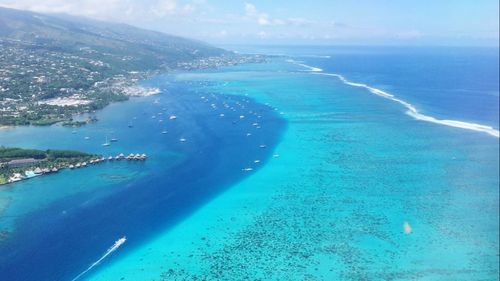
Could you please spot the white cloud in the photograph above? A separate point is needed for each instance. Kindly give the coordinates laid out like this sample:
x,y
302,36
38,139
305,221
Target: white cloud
x,y
250,9
118,10
263,19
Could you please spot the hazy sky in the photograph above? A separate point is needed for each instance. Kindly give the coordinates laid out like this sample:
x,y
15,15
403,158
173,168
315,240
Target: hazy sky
x,y
427,22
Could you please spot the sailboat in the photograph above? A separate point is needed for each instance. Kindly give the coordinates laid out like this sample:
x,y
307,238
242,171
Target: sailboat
x,y
106,143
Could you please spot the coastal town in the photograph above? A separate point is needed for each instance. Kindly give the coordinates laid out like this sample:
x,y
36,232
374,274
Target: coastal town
x,y
42,86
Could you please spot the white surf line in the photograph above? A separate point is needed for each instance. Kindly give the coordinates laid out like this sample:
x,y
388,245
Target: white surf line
x,y
113,248
412,111
311,68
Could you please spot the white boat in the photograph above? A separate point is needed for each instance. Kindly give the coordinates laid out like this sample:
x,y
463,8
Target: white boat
x,y
164,132
120,241
182,139
172,117
106,143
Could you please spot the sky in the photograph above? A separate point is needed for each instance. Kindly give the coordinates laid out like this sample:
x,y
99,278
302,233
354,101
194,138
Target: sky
x,y
314,22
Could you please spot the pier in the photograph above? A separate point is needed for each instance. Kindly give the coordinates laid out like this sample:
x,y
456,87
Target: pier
x,y
119,157
37,171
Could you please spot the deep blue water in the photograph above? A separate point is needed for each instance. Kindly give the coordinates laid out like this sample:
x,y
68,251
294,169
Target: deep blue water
x,y
58,241
460,83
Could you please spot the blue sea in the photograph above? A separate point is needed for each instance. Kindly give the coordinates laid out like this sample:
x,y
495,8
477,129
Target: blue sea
x,y
324,163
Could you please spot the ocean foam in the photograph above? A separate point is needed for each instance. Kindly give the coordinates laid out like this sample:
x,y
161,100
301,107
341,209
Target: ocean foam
x,y
412,110
311,68
113,248
313,56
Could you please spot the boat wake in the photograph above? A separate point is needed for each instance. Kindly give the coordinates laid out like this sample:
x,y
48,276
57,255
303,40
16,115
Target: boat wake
x,y
113,248
412,111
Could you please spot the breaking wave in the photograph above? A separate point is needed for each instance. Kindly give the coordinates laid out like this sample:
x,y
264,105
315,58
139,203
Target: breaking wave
x,y
412,110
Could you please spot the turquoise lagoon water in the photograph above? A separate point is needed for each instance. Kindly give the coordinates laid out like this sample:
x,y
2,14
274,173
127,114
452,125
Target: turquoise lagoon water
x,y
342,173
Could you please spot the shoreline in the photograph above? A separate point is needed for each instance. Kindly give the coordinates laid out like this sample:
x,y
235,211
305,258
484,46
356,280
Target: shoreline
x,y
32,172
153,185
131,87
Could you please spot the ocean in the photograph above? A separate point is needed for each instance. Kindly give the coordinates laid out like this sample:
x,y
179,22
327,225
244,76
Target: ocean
x,y
325,163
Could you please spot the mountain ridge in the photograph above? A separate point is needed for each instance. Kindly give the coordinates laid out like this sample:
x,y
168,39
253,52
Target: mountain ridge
x,y
71,33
